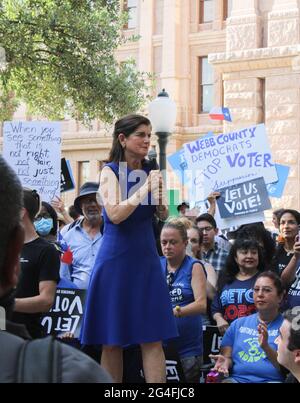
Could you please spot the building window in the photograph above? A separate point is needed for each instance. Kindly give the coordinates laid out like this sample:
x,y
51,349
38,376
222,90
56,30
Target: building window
x,y
227,9
84,172
206,85
206,11
131,7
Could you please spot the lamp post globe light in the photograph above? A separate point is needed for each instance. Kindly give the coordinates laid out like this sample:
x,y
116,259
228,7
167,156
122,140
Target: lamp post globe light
x,y
162,114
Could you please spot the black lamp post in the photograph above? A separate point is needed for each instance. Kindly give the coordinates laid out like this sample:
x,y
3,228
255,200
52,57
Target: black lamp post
x,y
162,113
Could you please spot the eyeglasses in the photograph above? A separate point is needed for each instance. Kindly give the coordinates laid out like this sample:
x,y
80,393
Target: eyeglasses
x,y
205,229
170,279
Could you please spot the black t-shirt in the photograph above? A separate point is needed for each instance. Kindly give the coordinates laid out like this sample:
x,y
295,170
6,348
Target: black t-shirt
x,y
281,259
39,262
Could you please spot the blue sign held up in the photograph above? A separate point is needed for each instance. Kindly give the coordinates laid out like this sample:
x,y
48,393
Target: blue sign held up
x,y
245,198
276,189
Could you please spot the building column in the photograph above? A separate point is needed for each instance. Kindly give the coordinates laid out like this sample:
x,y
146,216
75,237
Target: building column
x,y
146,16
244,27
175,72
283,23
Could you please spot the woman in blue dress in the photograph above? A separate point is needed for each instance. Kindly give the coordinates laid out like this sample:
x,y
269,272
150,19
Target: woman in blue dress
x,y
128,301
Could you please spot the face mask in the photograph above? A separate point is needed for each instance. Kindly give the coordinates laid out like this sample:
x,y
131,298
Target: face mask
x,y
44,226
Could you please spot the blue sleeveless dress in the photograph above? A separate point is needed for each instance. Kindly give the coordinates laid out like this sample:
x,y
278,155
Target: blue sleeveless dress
x,y
128,300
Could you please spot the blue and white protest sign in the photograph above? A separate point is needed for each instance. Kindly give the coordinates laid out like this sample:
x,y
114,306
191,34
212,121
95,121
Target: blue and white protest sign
x,y
244,198
227,159
33,150
276,189
179,164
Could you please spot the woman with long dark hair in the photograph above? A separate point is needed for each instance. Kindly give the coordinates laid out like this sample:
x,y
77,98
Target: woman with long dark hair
x,y
128,301
234,298
287,257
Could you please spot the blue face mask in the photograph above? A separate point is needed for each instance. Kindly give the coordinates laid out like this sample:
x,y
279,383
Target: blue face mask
x,y
44,226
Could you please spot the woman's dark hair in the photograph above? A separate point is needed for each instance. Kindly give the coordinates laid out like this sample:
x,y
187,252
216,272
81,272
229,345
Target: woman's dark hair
x,y
53,215
228,274
276,280
126,125
294,213
31,202
277,213
258,232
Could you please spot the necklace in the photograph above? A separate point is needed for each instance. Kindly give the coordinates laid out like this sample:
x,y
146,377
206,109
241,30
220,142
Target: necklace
x,y
172,274
177,268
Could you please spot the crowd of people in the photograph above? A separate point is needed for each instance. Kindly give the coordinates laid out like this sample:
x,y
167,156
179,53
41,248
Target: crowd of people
x,y
247,285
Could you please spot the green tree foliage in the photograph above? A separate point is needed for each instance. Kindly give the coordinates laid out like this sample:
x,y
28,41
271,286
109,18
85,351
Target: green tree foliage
x,y
61,59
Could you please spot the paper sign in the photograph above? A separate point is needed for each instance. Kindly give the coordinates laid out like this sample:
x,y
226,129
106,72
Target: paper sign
x,y
242,199
276,189
229,159
179,164
33,150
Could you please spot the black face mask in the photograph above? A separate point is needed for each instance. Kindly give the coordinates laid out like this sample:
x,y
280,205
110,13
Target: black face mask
x,y
7,302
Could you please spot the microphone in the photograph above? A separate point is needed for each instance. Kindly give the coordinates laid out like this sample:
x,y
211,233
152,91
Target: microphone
x,y
152,156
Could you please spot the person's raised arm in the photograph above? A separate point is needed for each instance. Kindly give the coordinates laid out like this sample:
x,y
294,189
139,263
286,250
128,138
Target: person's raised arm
x,y
212,199
289,273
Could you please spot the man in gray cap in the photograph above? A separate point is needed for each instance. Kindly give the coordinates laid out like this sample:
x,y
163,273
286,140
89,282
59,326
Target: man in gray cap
x,y
84,237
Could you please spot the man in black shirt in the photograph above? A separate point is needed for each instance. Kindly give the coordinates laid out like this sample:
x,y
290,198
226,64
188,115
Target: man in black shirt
x,y
70,364
39,272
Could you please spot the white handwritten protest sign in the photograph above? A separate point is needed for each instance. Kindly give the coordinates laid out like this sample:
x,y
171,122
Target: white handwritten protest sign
x,y
33,151
228,159
244,198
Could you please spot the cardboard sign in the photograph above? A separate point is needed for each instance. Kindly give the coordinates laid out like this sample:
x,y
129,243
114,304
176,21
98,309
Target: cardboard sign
x,y
66,177
66,313
228,159
33,150
245,198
